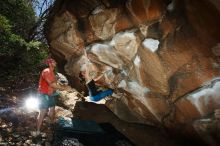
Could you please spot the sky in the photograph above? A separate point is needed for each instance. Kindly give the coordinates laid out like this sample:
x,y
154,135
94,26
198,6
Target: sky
x,y
38,4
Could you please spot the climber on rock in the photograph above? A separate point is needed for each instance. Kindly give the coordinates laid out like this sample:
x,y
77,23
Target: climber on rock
x,y
88,73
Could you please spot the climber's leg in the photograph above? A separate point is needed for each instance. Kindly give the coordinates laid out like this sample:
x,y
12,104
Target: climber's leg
x,y
101,95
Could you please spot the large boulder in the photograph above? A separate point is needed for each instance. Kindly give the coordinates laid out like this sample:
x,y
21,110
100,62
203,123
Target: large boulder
x,y
157,53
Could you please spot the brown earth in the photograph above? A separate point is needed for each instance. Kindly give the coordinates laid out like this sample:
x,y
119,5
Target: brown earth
x,y
17,123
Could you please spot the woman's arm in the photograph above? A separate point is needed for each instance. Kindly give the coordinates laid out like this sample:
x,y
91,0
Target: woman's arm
x,y
99,77
55,85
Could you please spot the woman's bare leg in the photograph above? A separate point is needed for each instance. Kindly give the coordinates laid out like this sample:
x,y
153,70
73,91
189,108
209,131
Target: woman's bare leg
x,y
40,118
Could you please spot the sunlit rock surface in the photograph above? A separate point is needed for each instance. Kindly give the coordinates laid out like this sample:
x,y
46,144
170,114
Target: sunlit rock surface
x,y
162,55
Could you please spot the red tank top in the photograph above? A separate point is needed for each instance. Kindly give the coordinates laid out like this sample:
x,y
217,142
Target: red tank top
x,y
43,85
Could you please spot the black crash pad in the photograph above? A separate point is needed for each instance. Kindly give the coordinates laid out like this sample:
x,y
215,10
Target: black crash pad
x,y
89,133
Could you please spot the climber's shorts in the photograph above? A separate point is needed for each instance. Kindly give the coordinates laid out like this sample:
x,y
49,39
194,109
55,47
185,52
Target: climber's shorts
x,y
101,95
46,101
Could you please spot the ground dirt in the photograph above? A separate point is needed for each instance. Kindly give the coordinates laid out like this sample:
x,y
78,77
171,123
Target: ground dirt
x,y
17,123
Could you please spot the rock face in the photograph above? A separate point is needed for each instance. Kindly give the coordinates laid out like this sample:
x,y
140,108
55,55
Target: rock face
x,y
159,54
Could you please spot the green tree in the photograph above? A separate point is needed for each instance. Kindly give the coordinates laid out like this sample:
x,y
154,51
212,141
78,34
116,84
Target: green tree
x,y
18,53
21,15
